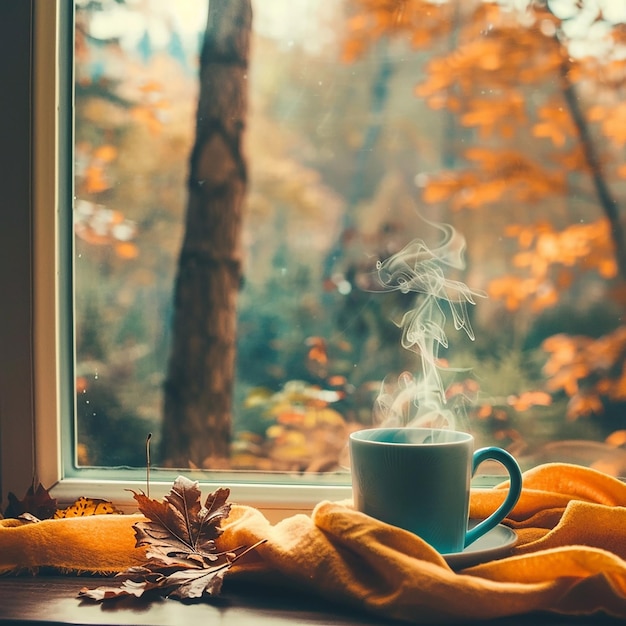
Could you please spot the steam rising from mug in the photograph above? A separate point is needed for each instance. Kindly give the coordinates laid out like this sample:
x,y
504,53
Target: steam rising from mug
x,y
421,400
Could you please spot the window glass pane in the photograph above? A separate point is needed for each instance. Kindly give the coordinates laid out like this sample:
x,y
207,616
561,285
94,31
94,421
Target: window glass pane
x,y
421,224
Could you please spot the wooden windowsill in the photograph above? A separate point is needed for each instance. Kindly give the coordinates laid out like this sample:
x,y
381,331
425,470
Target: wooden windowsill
x,y
53,599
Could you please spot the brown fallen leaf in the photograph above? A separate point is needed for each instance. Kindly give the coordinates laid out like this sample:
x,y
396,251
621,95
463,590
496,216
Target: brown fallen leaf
x,y
183,560
37,505
37,502
178,582
180,528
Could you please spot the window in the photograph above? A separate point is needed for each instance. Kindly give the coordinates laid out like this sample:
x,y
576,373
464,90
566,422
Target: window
x,y
364,138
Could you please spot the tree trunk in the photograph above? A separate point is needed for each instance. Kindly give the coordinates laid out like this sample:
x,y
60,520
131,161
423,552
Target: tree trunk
x,y
198,389
608,202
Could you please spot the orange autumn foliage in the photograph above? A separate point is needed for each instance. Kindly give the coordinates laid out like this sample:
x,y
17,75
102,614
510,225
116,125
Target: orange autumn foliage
x,y
528,399
551,260
96,180
556,124
587,370
94,223
546,122
612,120
372,20
126,250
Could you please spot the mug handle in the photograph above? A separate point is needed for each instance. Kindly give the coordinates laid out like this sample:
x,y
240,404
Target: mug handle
x,y
515,489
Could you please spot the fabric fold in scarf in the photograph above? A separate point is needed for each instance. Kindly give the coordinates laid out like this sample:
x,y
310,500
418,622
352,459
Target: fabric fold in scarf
x,y
570,556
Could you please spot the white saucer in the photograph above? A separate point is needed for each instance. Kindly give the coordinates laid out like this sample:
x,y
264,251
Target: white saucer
x,y
494,544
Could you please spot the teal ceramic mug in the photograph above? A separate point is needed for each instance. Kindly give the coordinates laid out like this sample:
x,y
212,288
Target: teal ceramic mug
x,y
419,479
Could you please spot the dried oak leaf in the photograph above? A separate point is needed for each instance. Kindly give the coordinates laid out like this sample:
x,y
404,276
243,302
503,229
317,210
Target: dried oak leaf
x,y
37,502
183,559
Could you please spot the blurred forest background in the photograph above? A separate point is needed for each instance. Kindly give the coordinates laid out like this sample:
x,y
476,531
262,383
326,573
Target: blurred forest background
x,y
366,118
